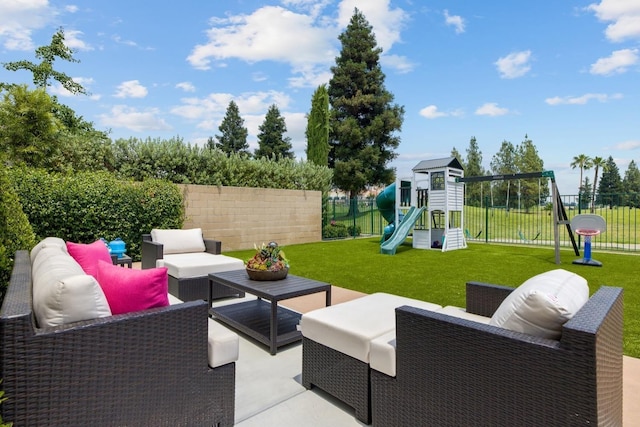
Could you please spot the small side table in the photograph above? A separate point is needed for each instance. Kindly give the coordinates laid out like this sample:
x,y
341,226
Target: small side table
x,y
124,261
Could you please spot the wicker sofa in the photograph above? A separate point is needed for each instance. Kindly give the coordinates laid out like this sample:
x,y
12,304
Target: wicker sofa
x,y
456,372
190,258
142,368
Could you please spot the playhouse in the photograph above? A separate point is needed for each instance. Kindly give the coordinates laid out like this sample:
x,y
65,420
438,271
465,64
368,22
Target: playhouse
x,y
431,203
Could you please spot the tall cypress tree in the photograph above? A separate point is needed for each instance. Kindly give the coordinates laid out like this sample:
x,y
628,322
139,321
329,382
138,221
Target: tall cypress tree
x,y
317,132
271,139
234,135
364,121
610,185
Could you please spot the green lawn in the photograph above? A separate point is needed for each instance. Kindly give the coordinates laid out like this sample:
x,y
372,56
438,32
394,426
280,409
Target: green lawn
x,y
440,277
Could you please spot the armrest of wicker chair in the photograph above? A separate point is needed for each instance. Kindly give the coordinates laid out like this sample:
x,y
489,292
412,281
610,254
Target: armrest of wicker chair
x,y
150,252
485,298
451,371
213,246
143,368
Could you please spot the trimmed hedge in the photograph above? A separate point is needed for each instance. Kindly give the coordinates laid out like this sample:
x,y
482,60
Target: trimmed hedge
x,y
15,231
89,205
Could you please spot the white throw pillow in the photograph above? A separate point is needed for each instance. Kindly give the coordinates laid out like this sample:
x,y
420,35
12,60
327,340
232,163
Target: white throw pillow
x,y
62,292
542,304
179,241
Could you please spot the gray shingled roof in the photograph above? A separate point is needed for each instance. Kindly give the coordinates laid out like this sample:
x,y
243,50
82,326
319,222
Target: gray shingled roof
x,y
427,165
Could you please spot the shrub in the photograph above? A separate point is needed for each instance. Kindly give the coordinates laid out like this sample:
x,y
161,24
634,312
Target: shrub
x,y
87,206
335,230
15,231
354,230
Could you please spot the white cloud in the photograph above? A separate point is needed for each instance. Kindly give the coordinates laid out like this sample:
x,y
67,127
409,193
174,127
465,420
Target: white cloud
x,y
491,109
72,40
624,16
186,86
581,100
514,65
628,145
431,112
122,116
131,89
455,21
303,38
58,89
619,62
18,19
399,63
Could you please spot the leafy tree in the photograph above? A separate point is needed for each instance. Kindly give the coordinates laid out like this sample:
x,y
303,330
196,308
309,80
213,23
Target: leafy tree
x,y
610,184
528,160
583,162
44,72
28,133
211,143
271,139
473,167
631,185
503,163
364,121
234,135
597,163
317,132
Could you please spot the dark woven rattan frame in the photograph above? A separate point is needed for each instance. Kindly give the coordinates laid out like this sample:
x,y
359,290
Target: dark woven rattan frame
x,y
453,372
191,288
147,368
342,376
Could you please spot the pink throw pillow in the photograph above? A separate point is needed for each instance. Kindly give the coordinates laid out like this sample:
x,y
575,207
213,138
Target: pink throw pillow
x,y
88,255
129,290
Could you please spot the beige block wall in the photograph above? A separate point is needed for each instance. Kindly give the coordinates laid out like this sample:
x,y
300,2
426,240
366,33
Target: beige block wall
x,y
241,217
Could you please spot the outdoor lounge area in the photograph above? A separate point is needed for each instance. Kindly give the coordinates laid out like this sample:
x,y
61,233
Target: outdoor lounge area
x,y
255,387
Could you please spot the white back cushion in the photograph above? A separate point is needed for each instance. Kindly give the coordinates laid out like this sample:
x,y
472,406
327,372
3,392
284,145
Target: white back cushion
x,y
47,242
542,304
62,292
179,241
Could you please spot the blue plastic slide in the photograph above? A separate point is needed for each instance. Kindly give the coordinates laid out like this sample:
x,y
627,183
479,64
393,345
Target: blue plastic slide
x,y
402,231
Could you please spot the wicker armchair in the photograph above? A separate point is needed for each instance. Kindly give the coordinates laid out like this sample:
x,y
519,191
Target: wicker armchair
x,y
187,288
143,368
454,372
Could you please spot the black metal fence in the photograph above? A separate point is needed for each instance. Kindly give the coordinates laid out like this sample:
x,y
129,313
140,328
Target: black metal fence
x,y
500,224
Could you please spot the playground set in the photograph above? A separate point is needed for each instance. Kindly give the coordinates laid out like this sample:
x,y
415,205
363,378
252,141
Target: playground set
x,y
430,206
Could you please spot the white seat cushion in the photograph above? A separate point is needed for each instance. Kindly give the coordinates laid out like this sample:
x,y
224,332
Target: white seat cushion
x,y
349,327
223,344
382,356
542,304
179,241
198,264
462,314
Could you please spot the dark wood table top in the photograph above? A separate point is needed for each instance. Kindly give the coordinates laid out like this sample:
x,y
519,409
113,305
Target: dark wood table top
x,y
289,287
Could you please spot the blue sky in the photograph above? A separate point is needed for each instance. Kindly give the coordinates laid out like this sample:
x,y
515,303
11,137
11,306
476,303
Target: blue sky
x,y
564,73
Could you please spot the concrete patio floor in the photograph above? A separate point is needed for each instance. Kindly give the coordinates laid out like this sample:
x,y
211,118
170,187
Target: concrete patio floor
x,y
269,390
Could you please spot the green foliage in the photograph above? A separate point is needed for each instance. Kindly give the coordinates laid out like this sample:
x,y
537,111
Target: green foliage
x,y
475,191
29,127
317,131
631,184
2,399
185,164
271,140
233,138
15,231
354,230
89,205
44,71
610,184
363,121
335,230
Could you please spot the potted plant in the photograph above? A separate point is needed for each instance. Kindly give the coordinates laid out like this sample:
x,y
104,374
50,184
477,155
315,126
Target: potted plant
x,y
268,263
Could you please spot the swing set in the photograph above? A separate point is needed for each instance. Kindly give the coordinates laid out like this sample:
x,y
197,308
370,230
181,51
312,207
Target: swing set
x,y
559,213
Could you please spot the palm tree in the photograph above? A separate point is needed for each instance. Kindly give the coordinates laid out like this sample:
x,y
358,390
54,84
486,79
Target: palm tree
x,y
597,163
583,162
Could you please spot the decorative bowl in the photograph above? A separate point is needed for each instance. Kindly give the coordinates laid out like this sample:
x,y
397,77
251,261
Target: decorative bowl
x,y
266,275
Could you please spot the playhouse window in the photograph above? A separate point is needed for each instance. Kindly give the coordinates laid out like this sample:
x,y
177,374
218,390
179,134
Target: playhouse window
x,y
437,181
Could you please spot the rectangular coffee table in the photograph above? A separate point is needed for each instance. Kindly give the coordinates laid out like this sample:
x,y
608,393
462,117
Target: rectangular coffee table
x,y
262,318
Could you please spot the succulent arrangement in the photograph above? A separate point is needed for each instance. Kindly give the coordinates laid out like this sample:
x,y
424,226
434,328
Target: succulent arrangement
x,y
268,258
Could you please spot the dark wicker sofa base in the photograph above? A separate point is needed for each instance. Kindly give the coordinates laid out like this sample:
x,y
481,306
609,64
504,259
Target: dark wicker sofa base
x,y
197,288
342,376
147,368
